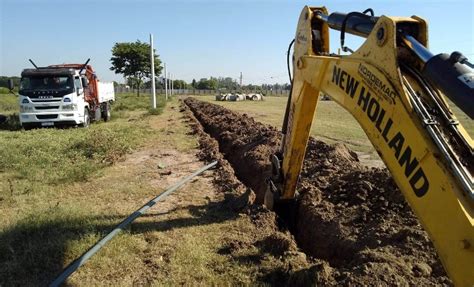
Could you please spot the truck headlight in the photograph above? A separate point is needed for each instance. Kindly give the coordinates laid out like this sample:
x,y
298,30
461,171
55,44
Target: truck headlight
x,y
70,107
26,108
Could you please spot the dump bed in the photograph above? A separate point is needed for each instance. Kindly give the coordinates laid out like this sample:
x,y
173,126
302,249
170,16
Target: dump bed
x,y
106,91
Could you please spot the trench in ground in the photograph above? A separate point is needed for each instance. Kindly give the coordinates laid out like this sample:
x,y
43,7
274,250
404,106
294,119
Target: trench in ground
x,y
347,215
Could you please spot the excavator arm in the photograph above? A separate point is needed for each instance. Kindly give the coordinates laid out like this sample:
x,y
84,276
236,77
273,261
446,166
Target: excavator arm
x,y
395,89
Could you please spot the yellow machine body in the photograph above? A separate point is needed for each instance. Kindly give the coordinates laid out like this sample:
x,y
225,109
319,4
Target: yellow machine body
x,y
370,85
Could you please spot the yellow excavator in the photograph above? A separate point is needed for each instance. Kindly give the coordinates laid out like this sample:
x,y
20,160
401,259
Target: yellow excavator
x,y
396,89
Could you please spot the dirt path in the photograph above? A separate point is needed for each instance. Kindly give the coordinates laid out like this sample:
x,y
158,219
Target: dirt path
x,y
352,220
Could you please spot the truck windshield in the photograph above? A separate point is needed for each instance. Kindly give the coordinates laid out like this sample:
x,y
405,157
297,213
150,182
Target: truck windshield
x,y
53,82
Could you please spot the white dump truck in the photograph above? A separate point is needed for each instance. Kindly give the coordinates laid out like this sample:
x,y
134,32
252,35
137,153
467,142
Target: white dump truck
x,y
60,95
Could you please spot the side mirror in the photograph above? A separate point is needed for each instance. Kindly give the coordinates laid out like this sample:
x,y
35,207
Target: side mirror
x,y
85,83
11,86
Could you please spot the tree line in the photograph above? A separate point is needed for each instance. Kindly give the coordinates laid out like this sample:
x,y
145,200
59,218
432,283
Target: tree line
x,y
217,83
132,60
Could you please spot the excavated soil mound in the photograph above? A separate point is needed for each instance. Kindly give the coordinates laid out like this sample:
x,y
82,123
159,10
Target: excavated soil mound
x,y
352,221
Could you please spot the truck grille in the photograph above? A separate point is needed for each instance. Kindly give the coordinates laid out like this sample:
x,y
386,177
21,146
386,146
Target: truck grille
x,y
46,117
47,108
46,100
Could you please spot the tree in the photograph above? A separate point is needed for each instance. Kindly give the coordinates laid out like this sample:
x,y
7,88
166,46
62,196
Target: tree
x,y
158,84
205,84
179,84
227,83
202,84
133,61
213,83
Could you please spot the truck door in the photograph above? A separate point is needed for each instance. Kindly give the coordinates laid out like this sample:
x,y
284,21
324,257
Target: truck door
x,y
78,85
80,93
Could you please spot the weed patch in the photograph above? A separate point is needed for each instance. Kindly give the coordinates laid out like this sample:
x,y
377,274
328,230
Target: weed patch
x,y
8,102
53,156
130,102
103,145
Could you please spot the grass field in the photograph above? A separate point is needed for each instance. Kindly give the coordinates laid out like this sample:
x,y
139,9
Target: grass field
x,y
61,190
331,124
43,173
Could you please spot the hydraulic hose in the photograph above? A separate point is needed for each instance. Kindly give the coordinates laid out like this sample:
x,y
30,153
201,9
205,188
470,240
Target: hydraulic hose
x,y
451,74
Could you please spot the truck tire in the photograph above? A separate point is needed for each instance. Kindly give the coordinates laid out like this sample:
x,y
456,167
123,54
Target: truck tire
x,y
87,119
106,112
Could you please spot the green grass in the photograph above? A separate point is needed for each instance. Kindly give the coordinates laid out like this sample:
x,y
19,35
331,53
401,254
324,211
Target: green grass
x,y
61,190
53,156
36,164
8,104
58,194
33,249
33,162
130,102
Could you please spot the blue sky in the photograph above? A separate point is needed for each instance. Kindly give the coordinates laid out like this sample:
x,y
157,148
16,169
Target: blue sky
x,y
197,38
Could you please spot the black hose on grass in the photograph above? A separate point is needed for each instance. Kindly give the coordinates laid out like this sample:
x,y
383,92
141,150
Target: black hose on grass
x,y
71,268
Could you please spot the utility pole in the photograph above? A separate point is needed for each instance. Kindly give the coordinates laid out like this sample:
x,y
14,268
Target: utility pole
x,y
241,79
166,83
153,87
172,85
169,84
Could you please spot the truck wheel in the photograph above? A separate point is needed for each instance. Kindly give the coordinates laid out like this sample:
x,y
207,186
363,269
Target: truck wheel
x,y
87,119
106,112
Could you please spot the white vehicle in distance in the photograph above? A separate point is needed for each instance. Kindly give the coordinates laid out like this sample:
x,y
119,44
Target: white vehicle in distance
x,y
61,95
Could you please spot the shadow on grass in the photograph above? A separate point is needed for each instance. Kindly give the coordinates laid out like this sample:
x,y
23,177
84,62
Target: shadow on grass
x,y
33,252
10,122
201,215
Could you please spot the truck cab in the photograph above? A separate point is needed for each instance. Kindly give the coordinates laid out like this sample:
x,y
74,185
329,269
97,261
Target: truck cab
x,y
61,95
52,97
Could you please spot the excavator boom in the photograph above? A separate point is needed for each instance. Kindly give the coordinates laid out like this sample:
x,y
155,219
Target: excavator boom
x,y
395,88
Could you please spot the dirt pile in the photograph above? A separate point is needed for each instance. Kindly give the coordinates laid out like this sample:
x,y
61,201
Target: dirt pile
x,y
352,221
